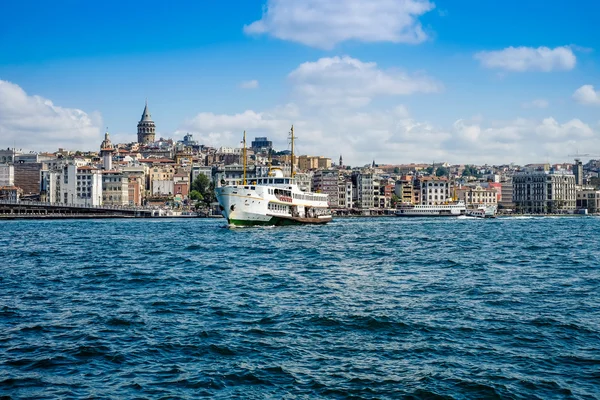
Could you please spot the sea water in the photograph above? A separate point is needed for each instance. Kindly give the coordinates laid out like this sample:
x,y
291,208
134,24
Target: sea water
x,y
360,308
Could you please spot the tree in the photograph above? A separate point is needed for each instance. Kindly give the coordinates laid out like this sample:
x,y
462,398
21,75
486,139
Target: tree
x,y
195,195
471,171
396,170
429,170
395,200
442,171
205,189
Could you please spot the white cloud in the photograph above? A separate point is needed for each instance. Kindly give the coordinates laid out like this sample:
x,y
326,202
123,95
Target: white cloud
x,y
253,84
351,82
35,123
227,129
339,85
529,59
394,136
537,103
587,95
324,23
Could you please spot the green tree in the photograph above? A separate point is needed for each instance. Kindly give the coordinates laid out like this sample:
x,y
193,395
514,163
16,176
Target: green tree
x,y
205,188
429,170
195,195
442,171
396,170
395,200
471,171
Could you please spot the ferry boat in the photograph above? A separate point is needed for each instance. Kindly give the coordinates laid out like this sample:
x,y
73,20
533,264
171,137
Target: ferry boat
x,y
482,212
272,200
441,210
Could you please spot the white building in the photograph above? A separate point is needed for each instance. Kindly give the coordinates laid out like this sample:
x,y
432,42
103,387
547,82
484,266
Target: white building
x,y
434,190
7,175
478,196
73,185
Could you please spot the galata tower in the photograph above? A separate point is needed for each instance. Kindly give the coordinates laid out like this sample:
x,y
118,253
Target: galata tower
x,y
146,127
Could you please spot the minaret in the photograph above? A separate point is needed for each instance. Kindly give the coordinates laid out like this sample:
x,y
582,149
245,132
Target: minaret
x,y
106,152
146,127
341,162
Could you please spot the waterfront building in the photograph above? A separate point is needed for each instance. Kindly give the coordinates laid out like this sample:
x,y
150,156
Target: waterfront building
x,y
146,128
115,188
72,184
10,193
344,193
7,175
478,196
27,177
506,195
434,190
541,192
327,182
363,184
404,190
588,199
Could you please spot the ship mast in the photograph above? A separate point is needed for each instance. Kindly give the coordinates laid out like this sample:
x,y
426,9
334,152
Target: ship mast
x,y
270,173
292,139
244,156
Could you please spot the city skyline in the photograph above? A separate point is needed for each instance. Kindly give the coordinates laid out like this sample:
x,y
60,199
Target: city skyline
x,y
391,81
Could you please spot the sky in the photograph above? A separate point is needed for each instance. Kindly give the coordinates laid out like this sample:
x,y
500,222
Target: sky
x,y
394,81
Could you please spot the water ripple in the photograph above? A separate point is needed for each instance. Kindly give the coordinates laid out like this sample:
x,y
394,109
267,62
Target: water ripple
x,y
360,308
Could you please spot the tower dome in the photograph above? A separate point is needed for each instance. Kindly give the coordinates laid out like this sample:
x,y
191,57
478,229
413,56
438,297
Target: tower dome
x,y
106,143
146,129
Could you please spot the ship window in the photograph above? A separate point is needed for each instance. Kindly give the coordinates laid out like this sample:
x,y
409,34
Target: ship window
x,y
278,181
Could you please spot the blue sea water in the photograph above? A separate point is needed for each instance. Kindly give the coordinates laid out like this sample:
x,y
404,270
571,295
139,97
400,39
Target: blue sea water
x,y
361,308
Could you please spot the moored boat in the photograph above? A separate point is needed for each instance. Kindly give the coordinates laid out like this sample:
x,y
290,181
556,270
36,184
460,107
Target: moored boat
x,y
440,210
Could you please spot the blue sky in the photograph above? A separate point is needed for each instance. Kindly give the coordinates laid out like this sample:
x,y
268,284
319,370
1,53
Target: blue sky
x,y
392,80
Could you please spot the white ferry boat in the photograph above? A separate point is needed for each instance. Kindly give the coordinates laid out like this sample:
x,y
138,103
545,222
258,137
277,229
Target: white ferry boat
x,y
272,200
482,212
442,210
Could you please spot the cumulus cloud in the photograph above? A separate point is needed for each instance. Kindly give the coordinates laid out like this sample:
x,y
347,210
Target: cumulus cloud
x,y
253,84
324,23
537,103
587,95
394,136
329,121
226,129
351,82
35,123
522,59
